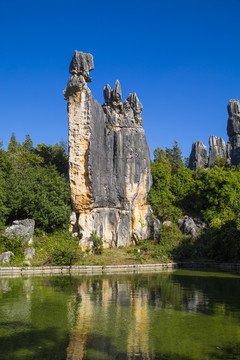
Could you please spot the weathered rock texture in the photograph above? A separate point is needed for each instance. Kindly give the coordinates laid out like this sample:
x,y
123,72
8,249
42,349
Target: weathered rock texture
x,y
198,157
23,229
5,257
109,161
233,130
217,150
191,226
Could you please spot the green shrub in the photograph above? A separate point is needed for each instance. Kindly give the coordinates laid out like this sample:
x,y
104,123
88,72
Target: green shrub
x,y
12,244
66,257
41,194
97,242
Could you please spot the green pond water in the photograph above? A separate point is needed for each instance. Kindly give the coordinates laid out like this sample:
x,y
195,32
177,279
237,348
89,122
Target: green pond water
x,y
178,315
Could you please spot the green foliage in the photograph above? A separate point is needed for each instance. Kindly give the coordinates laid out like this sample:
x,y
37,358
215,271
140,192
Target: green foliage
x,y
161,197
174,157
39,193
218,195
22,156
183,187
4,209
212,194
54,155
68,257
97,242
172,245
222,243
33,184
13,145
173,185
12,244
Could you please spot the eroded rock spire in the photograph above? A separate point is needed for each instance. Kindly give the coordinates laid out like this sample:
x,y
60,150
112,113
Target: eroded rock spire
x,y
109,161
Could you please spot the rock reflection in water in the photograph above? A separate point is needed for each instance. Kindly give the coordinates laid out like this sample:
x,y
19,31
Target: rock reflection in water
x,y
178,315
106,293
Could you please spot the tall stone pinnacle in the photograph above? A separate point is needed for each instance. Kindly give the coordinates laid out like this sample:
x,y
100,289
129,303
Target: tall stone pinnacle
x,y
109,161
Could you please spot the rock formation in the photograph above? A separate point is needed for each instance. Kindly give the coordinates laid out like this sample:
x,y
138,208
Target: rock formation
x,y
109,161
233,130
23,229
198,157
217,149
191,226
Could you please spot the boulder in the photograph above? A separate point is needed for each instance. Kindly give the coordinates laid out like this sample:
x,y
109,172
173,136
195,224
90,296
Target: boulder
x,y
167,223
29,253
191,226
198,157
5,257
81,64
23,229
187,226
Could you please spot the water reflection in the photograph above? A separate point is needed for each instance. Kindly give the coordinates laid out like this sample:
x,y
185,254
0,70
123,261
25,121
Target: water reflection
x,y
179,315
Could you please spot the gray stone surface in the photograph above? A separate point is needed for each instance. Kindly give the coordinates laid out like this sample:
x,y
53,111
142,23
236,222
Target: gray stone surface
x,y
198,157
81,64
29,253
233,130
217,150
191,226
117,93
23,229
188,226
109,162
154,225
167,223
5,257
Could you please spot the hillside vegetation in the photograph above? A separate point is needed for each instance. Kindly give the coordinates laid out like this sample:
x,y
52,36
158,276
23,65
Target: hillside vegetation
x,y
34,184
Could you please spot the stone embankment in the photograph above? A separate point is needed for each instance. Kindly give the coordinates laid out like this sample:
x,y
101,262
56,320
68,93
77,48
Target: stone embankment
x,y
11,271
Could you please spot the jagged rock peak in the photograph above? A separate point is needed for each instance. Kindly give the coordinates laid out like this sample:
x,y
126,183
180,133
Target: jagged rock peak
x,y
107,93
117,93
135,103
81,64
233,107
113,96
198,157
217,149
233,130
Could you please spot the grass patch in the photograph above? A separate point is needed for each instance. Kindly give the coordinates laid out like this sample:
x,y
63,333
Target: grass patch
x,y
60,248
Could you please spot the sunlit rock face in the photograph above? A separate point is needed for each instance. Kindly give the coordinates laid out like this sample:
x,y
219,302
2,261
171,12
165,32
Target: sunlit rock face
x,y
233,130
217,149
109,161
198,157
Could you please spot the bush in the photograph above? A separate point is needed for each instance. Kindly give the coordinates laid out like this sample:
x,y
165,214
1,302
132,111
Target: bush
x,y
39,193
97,242
222,243
66,257
12,244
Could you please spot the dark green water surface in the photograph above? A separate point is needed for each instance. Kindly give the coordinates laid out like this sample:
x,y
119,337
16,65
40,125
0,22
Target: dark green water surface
x,y
178,315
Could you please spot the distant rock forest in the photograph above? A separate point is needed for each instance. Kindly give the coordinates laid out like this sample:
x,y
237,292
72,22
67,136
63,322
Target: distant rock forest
x,y
104,189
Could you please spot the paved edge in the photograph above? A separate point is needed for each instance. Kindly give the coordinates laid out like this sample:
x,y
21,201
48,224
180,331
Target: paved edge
x,y
118,268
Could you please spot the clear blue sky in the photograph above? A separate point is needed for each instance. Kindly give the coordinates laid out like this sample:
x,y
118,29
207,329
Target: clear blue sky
x,y
181,57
